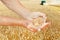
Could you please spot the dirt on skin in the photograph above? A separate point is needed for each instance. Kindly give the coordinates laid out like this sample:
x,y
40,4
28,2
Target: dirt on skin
x,y
52,32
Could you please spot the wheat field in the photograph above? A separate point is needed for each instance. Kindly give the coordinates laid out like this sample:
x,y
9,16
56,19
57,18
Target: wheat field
x,y
52,32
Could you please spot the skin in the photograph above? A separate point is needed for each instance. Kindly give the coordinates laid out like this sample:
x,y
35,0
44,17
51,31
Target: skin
x,y
4,20
17,7
8,21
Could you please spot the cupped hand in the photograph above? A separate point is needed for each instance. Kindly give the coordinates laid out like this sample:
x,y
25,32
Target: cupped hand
x,y
35,15
35,23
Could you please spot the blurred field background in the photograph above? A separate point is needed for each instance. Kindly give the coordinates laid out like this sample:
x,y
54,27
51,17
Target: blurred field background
x,y
52,32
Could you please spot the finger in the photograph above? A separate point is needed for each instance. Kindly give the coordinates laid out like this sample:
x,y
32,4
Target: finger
x,y
45,26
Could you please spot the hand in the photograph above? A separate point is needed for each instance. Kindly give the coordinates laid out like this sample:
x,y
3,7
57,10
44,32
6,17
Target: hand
x,y
29,25
35,15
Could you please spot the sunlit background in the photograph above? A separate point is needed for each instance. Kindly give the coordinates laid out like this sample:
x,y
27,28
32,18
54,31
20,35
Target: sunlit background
x,y
52,32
